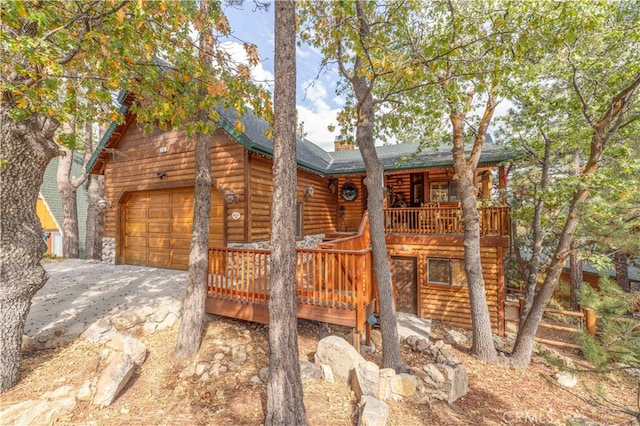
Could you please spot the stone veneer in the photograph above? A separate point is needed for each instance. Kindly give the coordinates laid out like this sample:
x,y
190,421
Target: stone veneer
x,y
109,250
308,242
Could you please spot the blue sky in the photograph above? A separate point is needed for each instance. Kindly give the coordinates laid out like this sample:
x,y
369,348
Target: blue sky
x,y
316,98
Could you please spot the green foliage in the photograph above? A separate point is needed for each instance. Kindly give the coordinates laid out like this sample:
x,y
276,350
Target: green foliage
x,y
618,337
67,59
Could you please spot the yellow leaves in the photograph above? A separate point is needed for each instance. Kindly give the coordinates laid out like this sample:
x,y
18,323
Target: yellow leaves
x,y
239,126
268,133
22,11
252,53
222,25
120,15
217,89
21,103
244,72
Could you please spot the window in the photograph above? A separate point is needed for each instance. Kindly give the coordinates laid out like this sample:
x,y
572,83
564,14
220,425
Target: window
x,y
446,272
299,220
443,191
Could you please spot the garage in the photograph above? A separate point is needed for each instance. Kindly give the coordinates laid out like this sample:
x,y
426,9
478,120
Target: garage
x,y
156,227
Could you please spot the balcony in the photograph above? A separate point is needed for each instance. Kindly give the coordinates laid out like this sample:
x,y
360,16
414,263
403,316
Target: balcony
x,y
444,220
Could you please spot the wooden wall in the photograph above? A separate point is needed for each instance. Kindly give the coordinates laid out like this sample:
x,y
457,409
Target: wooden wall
x,y
349,213
319,210
137,158
450,304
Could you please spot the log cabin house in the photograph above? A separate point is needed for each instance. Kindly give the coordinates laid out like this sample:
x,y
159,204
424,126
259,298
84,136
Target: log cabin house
x,y
149,181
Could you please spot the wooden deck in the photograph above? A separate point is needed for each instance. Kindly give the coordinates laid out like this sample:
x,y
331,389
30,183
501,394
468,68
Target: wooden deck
x,y
333,286
444,219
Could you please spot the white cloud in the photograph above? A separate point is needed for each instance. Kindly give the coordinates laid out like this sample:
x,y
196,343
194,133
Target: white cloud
x,y
259,73
317,115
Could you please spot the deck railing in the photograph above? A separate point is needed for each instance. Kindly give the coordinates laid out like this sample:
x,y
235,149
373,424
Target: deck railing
x,y
444,220
325,279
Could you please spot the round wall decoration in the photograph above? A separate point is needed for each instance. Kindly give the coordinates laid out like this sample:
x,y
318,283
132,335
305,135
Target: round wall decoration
x,y
349,191
235,215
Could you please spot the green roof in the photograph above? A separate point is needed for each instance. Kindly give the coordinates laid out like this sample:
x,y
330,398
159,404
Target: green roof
x,y
311,157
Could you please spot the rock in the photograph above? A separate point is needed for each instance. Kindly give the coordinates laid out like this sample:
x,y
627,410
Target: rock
x,y
411,340
232,366
219,356
84,393
455,338
421,345
376,337
457,381
403,385
309,371
130,346
339,355
566,379
327,373
443,354
239,354
367,349
497,342
27,343
98,332
48,409
384,388
205,377
200,369
189,371
264,374
434,374
170,320
373,412
365,380
255,379
127,319
75,330
113,379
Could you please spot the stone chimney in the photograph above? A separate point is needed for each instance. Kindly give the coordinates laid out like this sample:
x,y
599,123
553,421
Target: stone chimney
x,y
341,143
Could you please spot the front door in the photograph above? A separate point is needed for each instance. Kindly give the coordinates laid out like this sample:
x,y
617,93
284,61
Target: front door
x,y
403,273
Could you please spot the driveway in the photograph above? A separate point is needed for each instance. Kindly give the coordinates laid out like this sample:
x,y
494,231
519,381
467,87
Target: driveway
x,y
82,291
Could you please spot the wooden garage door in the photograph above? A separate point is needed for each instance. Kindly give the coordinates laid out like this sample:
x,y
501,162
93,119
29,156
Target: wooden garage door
x,y
157,227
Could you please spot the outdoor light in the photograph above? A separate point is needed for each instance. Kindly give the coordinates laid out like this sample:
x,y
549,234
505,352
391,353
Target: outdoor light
x,y
308,192
399,182
161,175
102,203
230,197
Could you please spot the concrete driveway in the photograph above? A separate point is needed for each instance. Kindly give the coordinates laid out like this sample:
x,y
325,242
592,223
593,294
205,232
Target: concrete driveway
x,y
82,291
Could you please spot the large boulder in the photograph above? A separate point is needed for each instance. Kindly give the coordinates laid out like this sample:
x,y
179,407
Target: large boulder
x,y
337,353
130,346
365,380
113,379
48,409
373,412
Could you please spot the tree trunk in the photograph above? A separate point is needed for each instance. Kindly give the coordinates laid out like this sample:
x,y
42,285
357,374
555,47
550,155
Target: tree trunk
x,y
25,150
482,345
284,387
68,188
622,270
190,331
391,356
602,132
575,273
70,240
95,218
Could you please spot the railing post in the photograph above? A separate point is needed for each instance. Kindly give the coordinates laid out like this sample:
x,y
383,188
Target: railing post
x,y
590,320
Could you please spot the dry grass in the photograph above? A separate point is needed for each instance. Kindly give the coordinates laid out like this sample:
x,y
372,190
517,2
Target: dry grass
x,y
156,396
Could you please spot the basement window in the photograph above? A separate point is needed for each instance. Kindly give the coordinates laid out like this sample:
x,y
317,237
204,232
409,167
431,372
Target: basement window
x,y
446,272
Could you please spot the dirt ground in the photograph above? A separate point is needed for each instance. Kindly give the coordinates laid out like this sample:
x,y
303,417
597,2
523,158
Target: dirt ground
x,y
157,396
